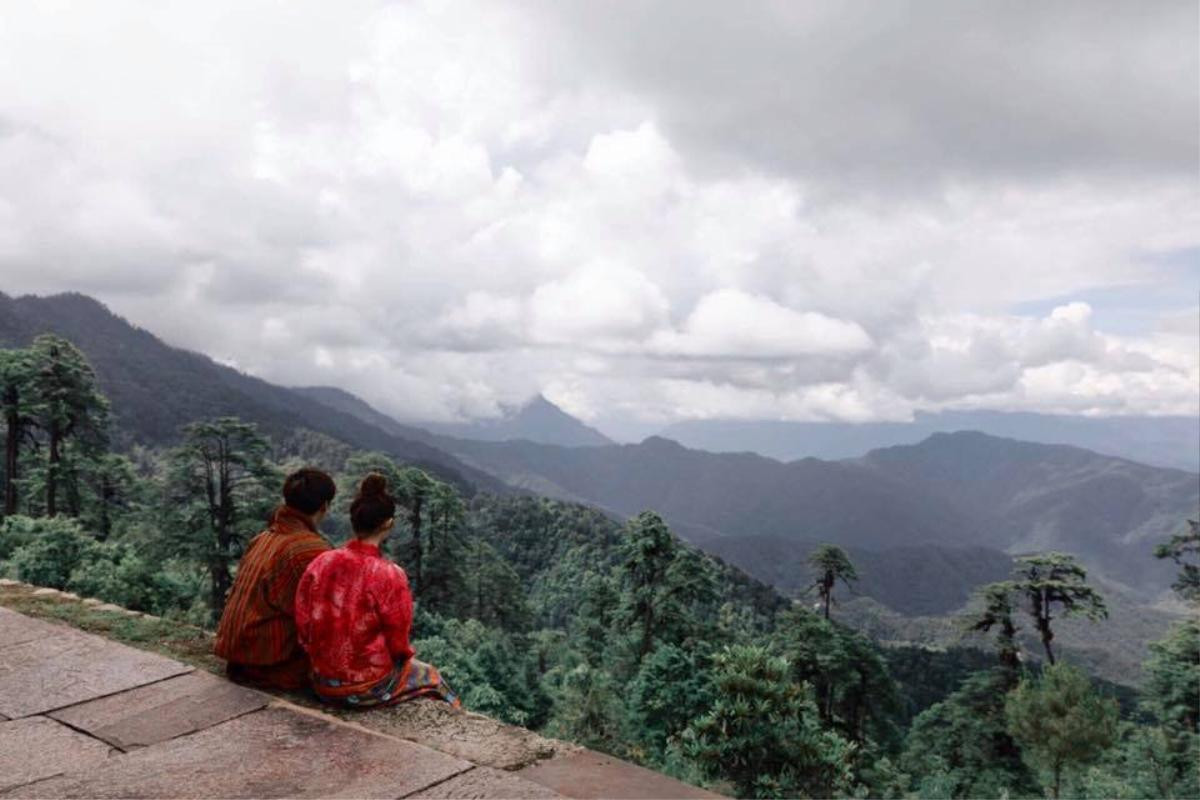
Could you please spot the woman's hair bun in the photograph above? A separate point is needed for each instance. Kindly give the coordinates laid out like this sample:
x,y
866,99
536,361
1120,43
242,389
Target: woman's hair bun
x,y
373,484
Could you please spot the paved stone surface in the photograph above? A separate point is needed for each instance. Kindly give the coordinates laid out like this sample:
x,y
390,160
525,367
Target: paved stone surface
x,y
477,738
68,667
271,753
587,774
36,748
17,628
161,711
482,783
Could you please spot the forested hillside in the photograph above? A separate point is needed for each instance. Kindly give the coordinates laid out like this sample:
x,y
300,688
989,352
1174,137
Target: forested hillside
x,y
952,490
155,388
608,629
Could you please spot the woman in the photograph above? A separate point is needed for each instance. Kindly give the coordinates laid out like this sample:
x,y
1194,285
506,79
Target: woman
x,y
354,611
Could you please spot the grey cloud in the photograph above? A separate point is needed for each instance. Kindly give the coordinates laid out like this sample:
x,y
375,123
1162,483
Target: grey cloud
x,y
898,95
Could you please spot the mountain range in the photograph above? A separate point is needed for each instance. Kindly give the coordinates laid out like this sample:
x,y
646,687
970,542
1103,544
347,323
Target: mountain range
x,y
927,522
1160,441
951,491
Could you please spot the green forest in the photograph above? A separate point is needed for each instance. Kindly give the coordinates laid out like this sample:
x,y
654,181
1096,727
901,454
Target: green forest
x,y
614,634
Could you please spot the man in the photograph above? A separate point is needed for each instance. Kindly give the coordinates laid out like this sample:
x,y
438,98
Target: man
x,y
257,633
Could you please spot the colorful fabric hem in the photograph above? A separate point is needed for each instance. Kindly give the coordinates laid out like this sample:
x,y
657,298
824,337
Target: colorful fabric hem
x,y
408,680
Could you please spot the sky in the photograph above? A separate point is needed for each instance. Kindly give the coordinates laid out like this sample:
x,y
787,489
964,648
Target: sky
x,y
647,212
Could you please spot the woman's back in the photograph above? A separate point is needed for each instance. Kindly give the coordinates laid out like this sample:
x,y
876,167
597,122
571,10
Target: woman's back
x,y
353,615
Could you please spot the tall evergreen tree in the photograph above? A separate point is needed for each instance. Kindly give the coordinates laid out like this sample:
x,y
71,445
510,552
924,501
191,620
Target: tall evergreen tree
x,y
1060,721
763,732
16,389
1053,580
220,488
831,564
961,747
68,408
648,551
997,612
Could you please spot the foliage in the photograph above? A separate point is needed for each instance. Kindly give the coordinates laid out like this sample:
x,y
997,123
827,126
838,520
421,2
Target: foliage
x,y
670,689
67,408
997,612
489,669
853,691
16,402
960,747
52,548
1060,721
1172,688
763,733
1050,580
648,551
1184,549
219,490
830,564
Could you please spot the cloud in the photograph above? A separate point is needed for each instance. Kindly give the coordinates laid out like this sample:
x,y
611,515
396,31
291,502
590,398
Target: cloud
x,y
594,306
812,210
732,324
903,96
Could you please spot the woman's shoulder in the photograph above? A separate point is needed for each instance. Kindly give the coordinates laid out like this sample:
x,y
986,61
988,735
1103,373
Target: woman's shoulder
x,y
387,570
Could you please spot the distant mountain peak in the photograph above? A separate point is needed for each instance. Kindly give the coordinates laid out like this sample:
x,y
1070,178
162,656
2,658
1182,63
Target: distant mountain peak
x,y
536,420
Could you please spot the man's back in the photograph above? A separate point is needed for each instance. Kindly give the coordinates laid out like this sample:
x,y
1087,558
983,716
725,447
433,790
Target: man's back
x,y
257,633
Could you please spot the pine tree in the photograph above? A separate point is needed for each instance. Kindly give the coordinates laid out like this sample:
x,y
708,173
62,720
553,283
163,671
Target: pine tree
x,y
68,407
1060,721
648,550
831,564
997,612
220,488
1049,580
16,389
763,733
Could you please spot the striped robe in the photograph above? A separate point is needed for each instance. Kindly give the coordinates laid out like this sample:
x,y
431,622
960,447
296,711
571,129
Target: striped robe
x,y
257,633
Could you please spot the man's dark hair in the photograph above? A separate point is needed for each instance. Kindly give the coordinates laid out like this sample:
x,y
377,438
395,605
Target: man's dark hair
x,y
308,489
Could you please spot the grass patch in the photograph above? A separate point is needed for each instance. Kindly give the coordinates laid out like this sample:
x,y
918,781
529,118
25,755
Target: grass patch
x,y
177,640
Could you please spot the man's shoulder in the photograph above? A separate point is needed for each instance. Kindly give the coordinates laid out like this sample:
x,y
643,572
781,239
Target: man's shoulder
x,y
305,545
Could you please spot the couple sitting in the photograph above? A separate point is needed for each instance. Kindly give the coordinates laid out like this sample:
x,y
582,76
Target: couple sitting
x,y
301,613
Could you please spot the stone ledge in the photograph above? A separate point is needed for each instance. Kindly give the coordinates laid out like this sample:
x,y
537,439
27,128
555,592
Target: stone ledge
x,y
154,713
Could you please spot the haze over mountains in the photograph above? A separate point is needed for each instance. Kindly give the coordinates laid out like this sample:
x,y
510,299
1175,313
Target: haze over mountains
x,y
1160,441
537,420
927,522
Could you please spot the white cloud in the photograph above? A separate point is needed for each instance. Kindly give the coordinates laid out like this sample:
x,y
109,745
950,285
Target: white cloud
x,y
594,306
731,324
445,206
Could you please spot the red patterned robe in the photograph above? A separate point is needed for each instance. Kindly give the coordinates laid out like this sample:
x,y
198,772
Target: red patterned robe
x,y
353,614
354,611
